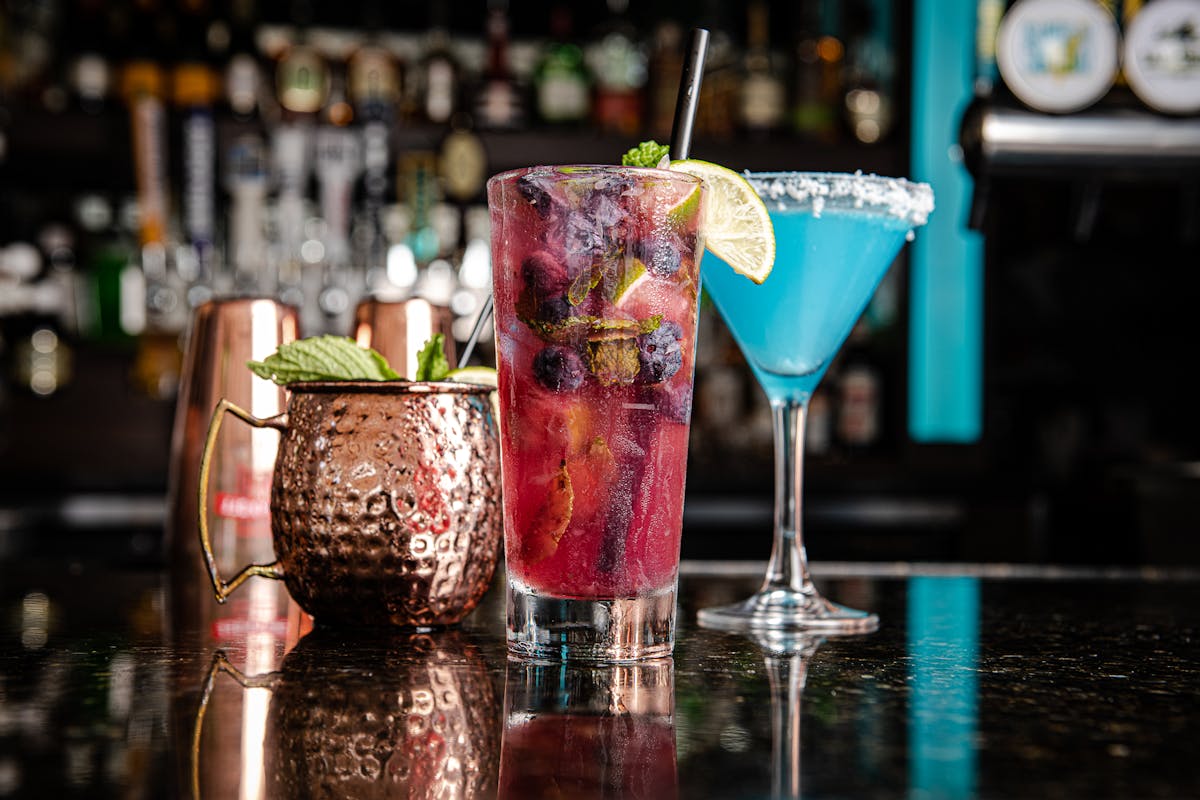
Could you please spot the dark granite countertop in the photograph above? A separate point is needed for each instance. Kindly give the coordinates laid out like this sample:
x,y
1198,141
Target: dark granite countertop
x,y
981,682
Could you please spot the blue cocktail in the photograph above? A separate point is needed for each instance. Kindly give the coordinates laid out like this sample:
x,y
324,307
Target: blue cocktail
x,y
836,235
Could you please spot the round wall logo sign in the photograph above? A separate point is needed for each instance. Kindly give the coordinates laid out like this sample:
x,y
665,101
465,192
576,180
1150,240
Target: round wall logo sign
x,y
1058,55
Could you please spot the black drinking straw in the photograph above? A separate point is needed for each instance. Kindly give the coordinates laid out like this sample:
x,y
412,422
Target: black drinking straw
x,y
681,145
480,321
689,95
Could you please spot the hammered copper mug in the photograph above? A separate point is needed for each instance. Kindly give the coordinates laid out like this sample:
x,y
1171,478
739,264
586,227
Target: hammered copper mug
x,y
385,501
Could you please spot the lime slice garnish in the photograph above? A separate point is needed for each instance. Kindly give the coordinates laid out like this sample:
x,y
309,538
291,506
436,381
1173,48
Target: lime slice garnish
x,y
736,226
683,213
629,279
483,375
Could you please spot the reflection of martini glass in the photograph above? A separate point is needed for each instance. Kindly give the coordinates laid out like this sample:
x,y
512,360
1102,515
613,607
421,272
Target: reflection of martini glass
x,y
836,236
786,659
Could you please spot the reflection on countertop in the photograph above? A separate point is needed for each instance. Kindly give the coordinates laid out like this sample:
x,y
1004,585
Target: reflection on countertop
x,y
983,681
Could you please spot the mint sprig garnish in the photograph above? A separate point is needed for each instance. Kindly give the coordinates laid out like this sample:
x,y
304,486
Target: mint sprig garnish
x,y
431,360
323,358
646,154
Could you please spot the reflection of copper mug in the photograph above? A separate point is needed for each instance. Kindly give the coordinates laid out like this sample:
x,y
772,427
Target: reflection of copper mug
x,y
399,329
385,502
403,715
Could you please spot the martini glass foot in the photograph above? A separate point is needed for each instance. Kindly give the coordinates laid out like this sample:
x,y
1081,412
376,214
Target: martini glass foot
x,y
788,610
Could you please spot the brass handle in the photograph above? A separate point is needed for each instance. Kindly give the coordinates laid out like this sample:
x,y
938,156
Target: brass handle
x,y
221,589
219,664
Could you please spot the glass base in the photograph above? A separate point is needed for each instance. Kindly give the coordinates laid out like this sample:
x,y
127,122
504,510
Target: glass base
x,y
790,611
571,629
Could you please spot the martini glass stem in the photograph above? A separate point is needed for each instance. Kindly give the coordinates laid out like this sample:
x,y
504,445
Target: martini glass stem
x,y
788,567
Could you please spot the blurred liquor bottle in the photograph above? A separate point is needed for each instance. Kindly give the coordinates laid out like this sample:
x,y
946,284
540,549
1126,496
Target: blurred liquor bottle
x,y
439,73
666,67
111,289
561,82
245,92
337,109
337,166
500,102
242,143
618,63
302,77
144,87
860,393
716,115
817,86
245,179
763,97
302,87
375,92
463,170
195,86
988,14
35,357
30,75
869,71
87,49
417,186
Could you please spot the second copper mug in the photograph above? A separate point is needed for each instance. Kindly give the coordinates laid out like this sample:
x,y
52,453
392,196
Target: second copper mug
x,y
222,336
398,329
385,501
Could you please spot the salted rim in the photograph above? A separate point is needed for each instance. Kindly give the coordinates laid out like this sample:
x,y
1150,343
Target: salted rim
x,y
898,197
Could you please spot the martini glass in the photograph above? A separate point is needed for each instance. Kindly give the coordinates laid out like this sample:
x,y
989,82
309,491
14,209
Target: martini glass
x,y
836,235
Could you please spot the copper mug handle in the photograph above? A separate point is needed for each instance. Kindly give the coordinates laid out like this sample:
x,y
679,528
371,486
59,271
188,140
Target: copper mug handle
x,y
221,589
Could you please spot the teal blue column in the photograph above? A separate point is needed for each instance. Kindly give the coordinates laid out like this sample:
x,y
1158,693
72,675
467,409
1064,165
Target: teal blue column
x,y
943,649
945,402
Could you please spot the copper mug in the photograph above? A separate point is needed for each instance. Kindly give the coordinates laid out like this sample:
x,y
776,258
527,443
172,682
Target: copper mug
x,y
385,501
222,336
398,329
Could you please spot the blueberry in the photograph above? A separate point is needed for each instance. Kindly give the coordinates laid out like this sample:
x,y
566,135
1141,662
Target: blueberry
x,y
661,256
659,353
544,274
559,369
536,189
554,309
